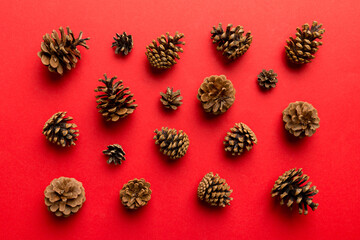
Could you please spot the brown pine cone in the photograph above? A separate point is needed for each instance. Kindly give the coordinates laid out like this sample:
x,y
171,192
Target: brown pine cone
x,y
301,119
115,101
267,79
171,99
64,196
135,194
239,138
302,49
290,188
116,154
162,55
231,42
216,94
172,143
123,43
60,52
214,190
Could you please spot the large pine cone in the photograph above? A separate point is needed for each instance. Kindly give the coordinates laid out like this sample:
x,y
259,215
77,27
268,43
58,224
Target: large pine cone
x,y
64,196
162,55
301,119
116,154
302,49
115,101
123,43
239,138
216,94
172,143
231,42
60,52
171,99
135,194
58,130
290,188
267,79
214,190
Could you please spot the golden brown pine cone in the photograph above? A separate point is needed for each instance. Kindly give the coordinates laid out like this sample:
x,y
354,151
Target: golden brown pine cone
x,y
172,143
135,194
116,154
267,79
171,99
239,138
123,43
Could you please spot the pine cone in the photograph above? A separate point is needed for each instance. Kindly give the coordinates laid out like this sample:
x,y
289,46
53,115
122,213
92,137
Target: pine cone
x,y
115,101
301,119
162,55
231,41
171,99
64,196
302,49
123,43
59,52
116,154
58,130
267,79
239,138
135,194
216,94
214,190
172,143
290,188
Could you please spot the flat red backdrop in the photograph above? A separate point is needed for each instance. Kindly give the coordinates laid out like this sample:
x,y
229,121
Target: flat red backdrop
x,y
30,95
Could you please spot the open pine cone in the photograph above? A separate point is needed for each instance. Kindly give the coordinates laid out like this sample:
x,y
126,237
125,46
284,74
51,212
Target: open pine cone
x,y
60,52
123,43
290,187
116,154
301,119
64,196
302,49
135,194
239,138
115,101
172,143
267,79
171,99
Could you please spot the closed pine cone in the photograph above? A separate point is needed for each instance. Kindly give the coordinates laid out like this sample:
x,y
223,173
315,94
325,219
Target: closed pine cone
x,y
60,52
301,119
58,130
290,189
64,196
171,99
216,94
302,49
114,101
116,154
172,143
123,43
267,79
231,41
214,190
135,194
239,138
162,55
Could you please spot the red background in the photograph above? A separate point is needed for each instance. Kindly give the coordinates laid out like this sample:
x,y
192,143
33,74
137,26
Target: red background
x,y
30,95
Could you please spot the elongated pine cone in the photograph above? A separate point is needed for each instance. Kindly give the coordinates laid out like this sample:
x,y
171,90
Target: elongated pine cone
x,y
290,188
60,52
301,119
114,101
171,99
216,94
172,143
135,194
267,79
302,49
64,196
162,55
116,154
231,41
123,43
239,138
214,190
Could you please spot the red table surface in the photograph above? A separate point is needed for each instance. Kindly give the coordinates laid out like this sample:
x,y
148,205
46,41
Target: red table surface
x,y
30,95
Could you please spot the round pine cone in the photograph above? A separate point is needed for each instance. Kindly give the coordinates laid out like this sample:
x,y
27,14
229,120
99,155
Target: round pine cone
x,y
123,43
171,99
290,188
64,196
301,119
135,194
116,154
267,79
172,143
214,190
216,94
239,138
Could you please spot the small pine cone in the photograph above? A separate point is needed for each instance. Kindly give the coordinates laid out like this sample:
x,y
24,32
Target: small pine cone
x,y
172,143
216,94
301,119
64,196
290,188
162,55
302,49
239,138
267,79
231,42
123,43
135,194
58,130
214,190
171,99
115,101
60,52
116,154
